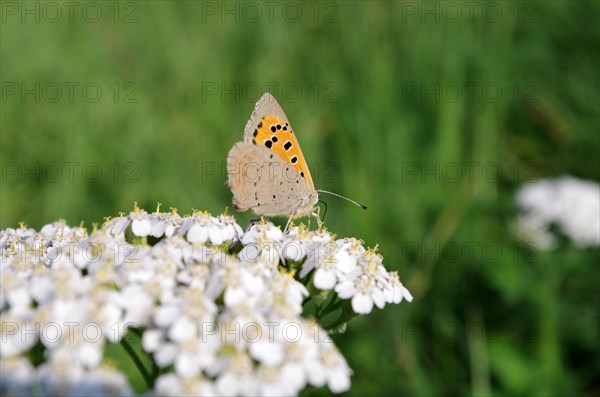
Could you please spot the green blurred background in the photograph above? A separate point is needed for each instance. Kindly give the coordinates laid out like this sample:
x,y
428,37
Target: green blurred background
x,y
432,114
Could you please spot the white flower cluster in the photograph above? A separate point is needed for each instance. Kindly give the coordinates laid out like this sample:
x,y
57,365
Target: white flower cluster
x,y
570,203
218,311
345,266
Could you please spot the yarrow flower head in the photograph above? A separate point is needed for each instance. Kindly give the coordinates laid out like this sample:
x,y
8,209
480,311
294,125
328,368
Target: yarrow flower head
x,y
218,310
570,203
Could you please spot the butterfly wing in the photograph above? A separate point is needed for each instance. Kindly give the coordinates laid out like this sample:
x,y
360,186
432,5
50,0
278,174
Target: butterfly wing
x,y
266,105
262,181
269,127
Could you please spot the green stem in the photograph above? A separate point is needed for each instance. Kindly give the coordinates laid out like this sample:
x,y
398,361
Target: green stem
x,y
330,308
307,281
306,300
346,315
155,368
138,363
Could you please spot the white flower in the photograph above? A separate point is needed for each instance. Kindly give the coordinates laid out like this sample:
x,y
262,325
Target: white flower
x,y
364,293
205,228
262,231
394,291
172,222
59,377
172,385
217,319
368,283
26,235
17,336
286,294
141,224
275,381
336,369
570,203
195,355
316,246
16,377
235,374
333,260
299,242
159,225
302,363
59,373
240,283
137,306
181,338
102,381
233,231
117,226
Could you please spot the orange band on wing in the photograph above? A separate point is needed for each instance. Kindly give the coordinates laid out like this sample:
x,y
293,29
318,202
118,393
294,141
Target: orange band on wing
x,y
277,135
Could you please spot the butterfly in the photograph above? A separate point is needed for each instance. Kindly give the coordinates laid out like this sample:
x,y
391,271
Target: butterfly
x,y
267,172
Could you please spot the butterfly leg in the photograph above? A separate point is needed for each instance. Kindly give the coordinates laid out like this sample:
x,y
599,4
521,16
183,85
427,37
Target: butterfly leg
x,y
292,217
289,221
317,215
252,223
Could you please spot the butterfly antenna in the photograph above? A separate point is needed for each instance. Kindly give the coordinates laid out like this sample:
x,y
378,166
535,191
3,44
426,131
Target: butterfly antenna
x,y
364,207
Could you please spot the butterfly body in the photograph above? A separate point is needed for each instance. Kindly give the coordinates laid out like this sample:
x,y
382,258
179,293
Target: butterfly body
x,y
267,172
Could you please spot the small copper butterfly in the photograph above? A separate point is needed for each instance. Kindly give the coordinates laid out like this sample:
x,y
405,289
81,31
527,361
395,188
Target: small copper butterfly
x,y
267,172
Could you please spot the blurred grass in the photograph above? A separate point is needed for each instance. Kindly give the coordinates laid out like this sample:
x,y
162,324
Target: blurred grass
x,y
523,323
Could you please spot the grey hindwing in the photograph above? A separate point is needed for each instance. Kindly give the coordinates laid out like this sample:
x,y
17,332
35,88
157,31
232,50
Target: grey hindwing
x,y
262,181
